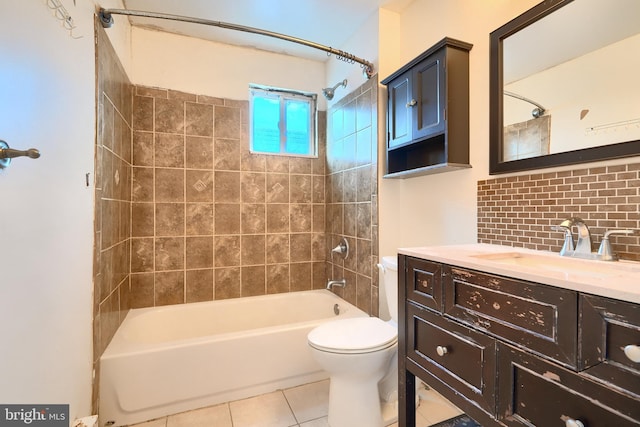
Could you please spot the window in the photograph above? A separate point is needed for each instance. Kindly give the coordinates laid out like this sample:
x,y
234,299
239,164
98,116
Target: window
x,y
282,122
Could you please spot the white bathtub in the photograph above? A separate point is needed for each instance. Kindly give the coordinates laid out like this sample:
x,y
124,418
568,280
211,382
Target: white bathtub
x,y
165,360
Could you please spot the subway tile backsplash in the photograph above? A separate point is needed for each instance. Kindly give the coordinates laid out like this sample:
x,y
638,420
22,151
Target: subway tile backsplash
x,y
520,210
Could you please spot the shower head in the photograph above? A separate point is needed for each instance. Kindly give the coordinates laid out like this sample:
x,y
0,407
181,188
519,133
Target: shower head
x,y
328,92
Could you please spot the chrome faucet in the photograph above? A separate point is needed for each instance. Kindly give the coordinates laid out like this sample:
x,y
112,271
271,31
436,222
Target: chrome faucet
x,y
583,246
331,283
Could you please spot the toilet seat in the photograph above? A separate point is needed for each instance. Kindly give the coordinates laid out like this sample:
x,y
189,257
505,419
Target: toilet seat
x,y
353,336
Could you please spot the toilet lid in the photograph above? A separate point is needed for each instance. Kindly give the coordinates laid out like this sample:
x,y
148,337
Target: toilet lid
x,y
354,335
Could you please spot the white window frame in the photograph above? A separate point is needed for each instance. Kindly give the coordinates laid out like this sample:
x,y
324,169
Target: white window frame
x,y
283,95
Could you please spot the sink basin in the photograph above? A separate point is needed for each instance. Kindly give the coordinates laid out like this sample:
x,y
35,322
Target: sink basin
x,y
557,263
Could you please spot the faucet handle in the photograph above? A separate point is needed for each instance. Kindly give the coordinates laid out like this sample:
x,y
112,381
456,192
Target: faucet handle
x,y
605,250
567,247
610,232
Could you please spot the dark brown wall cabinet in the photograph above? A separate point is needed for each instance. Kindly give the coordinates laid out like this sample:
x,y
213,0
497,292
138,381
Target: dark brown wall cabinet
x,y
428,112
514,353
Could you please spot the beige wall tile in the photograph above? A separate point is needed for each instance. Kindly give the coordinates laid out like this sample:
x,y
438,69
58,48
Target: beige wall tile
x,y
169,253
226,251
199,252
227,187
227,218
277,278
199,219
277,248
277,218
199,152
253,280
253,218
170,219
199,285
169,287
169,185
169,116
227,283
169,150
253,249
198,119
199,186
226,122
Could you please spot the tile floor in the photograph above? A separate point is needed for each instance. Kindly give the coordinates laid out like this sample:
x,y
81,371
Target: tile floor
x,y
302,406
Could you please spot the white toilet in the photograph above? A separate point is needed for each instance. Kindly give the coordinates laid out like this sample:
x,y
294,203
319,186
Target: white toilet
x,y
360,355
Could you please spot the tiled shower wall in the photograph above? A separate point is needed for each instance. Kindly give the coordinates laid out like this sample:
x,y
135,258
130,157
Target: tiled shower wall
x,y
352,196
210,220
112,198
520,210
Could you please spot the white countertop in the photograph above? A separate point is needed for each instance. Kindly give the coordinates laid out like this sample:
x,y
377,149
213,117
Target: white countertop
x,y
613,279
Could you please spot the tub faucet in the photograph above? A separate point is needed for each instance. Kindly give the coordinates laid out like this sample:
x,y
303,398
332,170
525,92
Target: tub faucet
x,y
331,283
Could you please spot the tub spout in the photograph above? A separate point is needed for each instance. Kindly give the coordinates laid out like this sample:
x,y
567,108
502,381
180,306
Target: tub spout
x,y
332,283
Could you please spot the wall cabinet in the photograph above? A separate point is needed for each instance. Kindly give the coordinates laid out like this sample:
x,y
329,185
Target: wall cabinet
x,y
510,352
428,112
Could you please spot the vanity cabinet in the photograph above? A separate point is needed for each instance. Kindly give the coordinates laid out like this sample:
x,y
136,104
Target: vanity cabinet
x,y
428,112
511,352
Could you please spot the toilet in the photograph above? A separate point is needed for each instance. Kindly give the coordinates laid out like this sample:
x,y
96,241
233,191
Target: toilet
x,y
360,356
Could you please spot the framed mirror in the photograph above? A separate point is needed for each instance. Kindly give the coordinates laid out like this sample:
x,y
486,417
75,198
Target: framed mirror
x,y
564,86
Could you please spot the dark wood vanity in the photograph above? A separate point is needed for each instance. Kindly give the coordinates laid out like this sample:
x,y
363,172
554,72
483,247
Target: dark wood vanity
x,y
512,352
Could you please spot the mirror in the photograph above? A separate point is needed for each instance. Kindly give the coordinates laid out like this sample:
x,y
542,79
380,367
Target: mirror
x,y
564,86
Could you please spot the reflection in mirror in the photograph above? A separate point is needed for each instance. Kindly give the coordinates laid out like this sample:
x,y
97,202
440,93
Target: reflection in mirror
x,y
564,85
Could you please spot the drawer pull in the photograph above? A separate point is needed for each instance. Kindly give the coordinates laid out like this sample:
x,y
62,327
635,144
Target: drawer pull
x,y
573,423
441,350
632,352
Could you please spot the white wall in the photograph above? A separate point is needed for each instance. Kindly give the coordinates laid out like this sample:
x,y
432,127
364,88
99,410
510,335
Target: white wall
x,y
215,69
47,101
441,209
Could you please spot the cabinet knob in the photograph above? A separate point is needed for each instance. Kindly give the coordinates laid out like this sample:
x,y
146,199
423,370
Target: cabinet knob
x,y
411,103
441,350
573,423
632,352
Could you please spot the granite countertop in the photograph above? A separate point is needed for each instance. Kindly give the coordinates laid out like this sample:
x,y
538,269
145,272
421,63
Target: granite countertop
x,y
614,279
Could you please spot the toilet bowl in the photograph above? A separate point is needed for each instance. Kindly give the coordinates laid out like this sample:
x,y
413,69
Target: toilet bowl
x,y
360,356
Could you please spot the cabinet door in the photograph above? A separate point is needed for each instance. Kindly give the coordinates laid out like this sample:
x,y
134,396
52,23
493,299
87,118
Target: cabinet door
x,y
452,354
429,96
424,282
606,328
399,111
534,392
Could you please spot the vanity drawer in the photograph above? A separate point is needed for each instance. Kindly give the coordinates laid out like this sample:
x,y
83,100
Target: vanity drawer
x,y
453,354
606,327
539,317
534,392
424,282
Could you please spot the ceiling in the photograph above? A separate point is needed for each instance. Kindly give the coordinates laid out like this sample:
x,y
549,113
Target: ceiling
x,y
327,22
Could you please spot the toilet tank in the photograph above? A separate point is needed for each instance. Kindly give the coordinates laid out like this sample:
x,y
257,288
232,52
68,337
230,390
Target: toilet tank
x,y
388,270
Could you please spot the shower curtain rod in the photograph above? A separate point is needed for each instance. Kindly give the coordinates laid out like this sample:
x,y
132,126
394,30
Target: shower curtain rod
x,y
525,99
107,21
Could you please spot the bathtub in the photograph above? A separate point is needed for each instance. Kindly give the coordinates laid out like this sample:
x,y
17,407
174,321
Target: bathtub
x,y
165,360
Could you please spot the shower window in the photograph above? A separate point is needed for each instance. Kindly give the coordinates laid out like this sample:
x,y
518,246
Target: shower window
x,y
282,122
